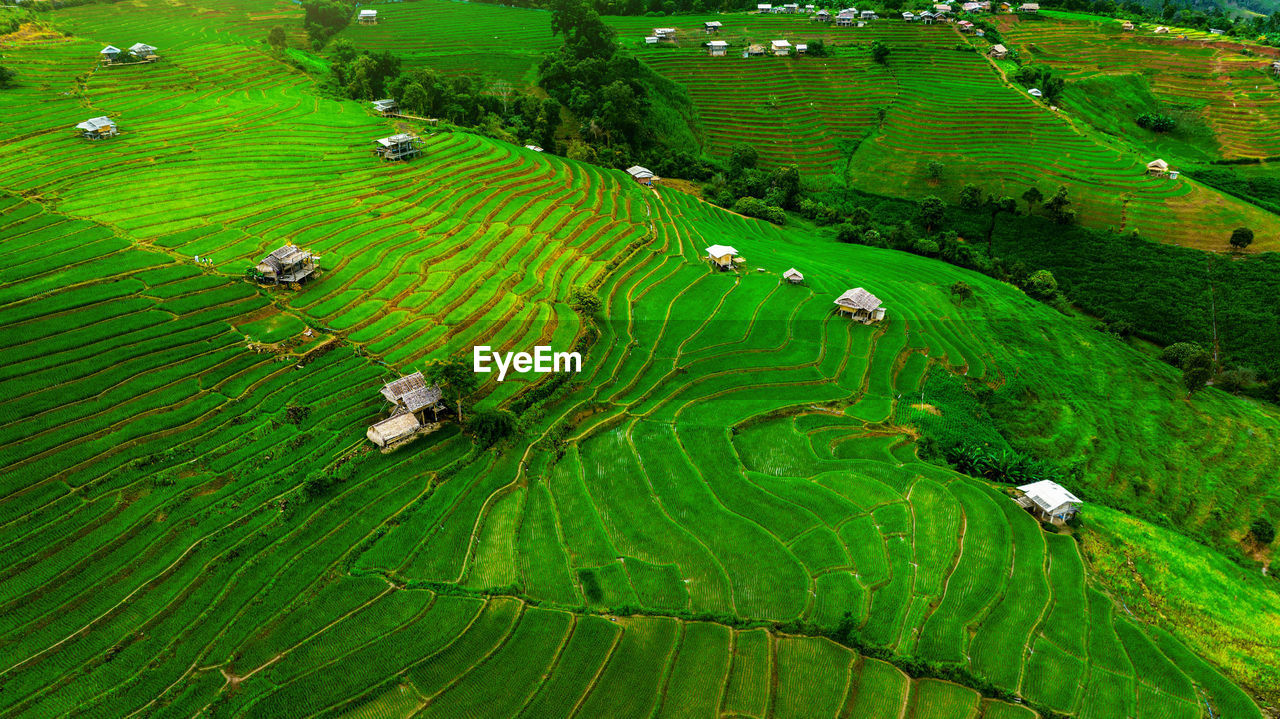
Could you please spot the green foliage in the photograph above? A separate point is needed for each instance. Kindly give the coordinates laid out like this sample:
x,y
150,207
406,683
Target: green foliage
x,y
1262,191
753,207
456,376
880,53
962,290
970,197
584,301
1156,122
934,169
491,426
930,210
276,38
1058,207
1041,77
361,75
324,18
1262,531
7,76
1032,196
1042,284
1241,237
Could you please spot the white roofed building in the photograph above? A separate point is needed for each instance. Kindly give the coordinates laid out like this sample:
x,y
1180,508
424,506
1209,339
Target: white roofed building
x,y
96,128
781,47
712,26
717,48
641,175
860,305
793,276
1049,501
368,17
722,256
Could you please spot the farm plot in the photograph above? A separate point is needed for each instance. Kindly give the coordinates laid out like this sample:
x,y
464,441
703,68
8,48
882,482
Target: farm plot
x,y
185,540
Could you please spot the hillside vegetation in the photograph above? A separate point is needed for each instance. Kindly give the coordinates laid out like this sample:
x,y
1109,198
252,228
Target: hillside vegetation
x,y
725,513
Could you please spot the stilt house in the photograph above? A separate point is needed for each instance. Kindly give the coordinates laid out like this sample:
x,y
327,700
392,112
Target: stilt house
x,y
386,107
96,128
411,399
109,53
860,305
641,175
793,276
368,17
717,48
1049,501
721,256
397,147
287,265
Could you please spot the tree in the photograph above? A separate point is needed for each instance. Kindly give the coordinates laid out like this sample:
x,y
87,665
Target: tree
x,y
1042,284
1032,196
962,290
934,169
6,77
931,209
1197,370
970,197
455,375
742,157
491,425
881,112
1241,237
585,34
584,301
1262,531
1178,353
880,52
1057,207
998,205
276,38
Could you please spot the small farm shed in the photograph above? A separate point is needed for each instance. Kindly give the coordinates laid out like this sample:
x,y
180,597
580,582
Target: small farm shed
x,y
791,8
755,49
860,305
665,34
368,17
650,40
386,107
1049,501
802,49
1127,26
845,18
1162,30
1275,67
535,148
143,50
109,53
781,47
1216,31
908,16
941,8
998,52
1030,8
721,256
1035,92
868,15
413,395
965,26
822,16
1159,168
971,7
717,48
712,26
793,276
641,175
927,17
980,32
287,265
393,429
96,128
402,146
763,8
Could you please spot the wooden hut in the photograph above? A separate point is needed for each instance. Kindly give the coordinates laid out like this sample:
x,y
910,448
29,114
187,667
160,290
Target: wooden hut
x,y
780,48
822,16
1029,8
665,34
971,7
793,276
764,8
860,305
143,51
97,128
909,16
868,15
1275,67
1128,26
845,18
721,256
717,48
393,429
711,27
1162,30
1157,167
368,17
999,52
755,49
386,107
1049,501
642,175
402,146
109,53
412,394
286,265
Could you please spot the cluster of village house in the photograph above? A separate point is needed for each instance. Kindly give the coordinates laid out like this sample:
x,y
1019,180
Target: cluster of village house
x,y
848,17
139,50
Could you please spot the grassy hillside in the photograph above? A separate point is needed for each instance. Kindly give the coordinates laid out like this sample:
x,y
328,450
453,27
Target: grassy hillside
x,y
200,527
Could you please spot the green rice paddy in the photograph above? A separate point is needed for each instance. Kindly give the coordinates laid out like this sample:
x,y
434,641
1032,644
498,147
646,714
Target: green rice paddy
x,y
733,456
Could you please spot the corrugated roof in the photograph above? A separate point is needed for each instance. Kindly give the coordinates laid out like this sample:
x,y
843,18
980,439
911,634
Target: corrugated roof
x,y
412,392
1049,495
720,251
96,123
638,171
793,273
858,299
141,48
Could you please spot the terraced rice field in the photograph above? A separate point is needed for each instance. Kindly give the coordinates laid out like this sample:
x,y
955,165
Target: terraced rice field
x,y
730,448
1237,95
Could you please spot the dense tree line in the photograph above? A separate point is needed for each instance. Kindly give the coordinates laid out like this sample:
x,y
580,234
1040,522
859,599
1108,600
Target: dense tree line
x,y
325,18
